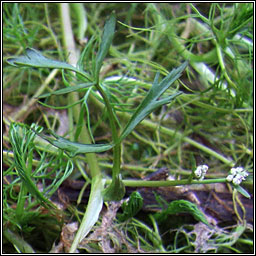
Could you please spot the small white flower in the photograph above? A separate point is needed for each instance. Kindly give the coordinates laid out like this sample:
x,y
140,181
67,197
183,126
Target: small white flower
x,y
198,172
230,177
237,175
201,171
233,171
245,174
238,179
236,170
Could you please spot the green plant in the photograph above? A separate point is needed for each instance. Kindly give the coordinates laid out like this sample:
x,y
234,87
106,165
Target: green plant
x,y
27,216
132,207
116,190
87,80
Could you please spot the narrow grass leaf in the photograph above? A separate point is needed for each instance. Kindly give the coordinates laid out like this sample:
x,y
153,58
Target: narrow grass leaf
x,y
152,101
93,210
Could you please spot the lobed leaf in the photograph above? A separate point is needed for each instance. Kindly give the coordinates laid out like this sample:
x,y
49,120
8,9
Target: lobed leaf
x,y
107,37
34,58
151,101
74,148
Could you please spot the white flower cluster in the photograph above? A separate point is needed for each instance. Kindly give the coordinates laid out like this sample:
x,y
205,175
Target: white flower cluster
x,y
237,175
201,171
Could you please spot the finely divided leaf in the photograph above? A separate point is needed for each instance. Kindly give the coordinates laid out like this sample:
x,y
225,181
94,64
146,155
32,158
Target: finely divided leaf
x,y
182,206
132,207
21,140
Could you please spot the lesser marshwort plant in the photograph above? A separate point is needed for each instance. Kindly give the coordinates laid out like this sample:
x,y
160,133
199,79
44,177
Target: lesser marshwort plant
x,y
56,156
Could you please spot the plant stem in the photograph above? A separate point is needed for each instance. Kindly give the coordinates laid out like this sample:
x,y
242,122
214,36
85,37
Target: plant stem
x,y
73,97
82,19
95,202
116,148
222,66
167,183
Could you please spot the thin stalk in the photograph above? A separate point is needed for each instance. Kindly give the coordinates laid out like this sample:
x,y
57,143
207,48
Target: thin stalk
x,y
222,66
95,202
74,97
167,183
117,148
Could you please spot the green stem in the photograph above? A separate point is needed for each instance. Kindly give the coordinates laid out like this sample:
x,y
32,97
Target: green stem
x,y
222,66
167,183
117,148
80,14
74,97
